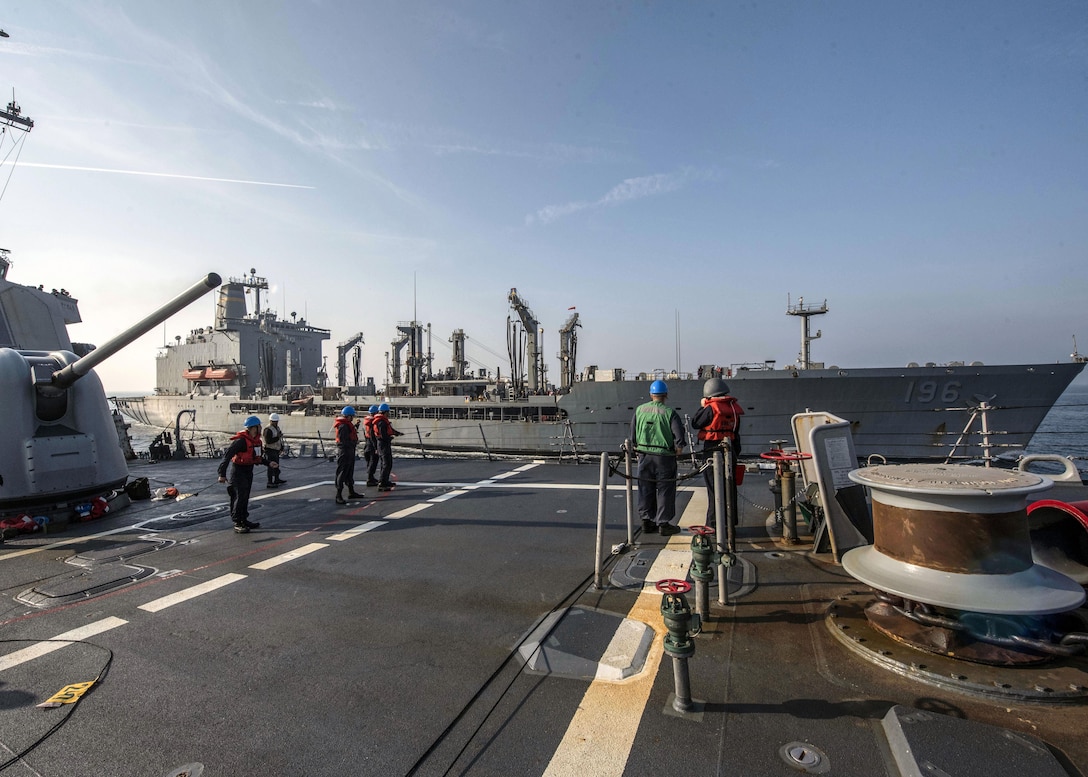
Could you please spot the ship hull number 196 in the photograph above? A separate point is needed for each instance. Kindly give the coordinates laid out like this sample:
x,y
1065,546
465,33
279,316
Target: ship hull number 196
x,y
926,391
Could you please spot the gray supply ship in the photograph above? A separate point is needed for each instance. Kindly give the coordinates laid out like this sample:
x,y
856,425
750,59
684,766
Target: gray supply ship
x,y
255,362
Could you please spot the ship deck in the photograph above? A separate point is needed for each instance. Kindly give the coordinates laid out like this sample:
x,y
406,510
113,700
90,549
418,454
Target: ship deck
x,y
390,637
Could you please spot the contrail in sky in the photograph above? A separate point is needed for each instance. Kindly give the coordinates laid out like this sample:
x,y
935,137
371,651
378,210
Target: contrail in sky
x,y
161,175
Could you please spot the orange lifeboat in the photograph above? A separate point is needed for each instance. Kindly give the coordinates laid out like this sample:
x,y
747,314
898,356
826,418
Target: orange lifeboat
x,y
220,373
195,373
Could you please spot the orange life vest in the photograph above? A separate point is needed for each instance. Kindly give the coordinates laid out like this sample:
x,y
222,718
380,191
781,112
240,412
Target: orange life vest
x,y
726,421
342,425
252,454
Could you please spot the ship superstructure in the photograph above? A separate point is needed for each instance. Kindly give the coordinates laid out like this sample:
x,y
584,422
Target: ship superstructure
x,y
244,354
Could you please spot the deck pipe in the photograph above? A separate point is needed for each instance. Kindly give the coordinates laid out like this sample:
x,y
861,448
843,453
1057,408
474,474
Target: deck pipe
x,y
703,559
789,487
681,624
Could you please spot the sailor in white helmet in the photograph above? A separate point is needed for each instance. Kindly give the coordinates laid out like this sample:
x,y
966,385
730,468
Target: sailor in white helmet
x,y
273,447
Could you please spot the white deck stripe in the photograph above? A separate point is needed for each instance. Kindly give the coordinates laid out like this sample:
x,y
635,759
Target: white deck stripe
x,y
446,496
191,593
290,555
527,467
600,735
42,648
409,510
357,530
505,475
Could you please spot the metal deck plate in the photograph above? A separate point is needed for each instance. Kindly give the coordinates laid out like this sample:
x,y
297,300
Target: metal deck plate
x,y
926,744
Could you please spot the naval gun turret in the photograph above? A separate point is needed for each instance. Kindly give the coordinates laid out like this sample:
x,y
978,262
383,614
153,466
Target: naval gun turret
x,y
58,442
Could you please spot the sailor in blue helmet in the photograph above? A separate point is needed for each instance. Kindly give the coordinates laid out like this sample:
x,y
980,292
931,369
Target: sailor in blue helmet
x,y
658,434
383,439
370,448
346,432
243,453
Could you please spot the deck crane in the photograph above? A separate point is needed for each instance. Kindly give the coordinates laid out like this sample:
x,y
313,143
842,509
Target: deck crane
x,y
533,350
459,362
411,334
568,350
341,356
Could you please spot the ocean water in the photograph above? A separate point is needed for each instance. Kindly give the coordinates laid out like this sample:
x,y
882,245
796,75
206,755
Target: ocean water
x,y
1064,431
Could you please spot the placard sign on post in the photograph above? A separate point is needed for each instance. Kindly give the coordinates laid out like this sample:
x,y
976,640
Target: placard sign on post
x,y
847,521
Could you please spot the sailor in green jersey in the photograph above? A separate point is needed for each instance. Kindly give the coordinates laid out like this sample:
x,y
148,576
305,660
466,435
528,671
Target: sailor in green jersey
x,y
658,434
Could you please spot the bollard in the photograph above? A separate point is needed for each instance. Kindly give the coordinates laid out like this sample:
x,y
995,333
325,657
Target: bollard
x,y
703,559
682,625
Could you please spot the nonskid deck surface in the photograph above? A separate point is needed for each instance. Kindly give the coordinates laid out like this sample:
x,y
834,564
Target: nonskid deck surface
x,y
381,638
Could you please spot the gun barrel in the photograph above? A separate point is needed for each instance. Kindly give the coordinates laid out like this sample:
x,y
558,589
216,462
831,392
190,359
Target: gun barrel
x,y
66,377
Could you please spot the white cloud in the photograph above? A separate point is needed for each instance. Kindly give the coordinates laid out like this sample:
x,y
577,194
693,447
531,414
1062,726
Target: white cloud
x,y
625,191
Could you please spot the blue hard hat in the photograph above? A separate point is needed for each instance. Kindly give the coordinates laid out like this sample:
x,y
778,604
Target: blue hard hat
x,y
373,409
383,408
659,387
348,411
253,421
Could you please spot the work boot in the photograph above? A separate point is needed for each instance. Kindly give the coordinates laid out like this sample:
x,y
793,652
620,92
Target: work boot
x,y
251,524
385,486
372,482
648,526
241,528
340,500
272,485
356,495
667,529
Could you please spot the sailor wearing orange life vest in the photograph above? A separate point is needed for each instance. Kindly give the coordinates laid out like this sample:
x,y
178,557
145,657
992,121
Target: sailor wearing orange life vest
x,y
383,438
243,453
370,448
718,419
346,431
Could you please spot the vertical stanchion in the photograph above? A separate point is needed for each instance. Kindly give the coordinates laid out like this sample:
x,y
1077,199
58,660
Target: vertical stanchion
x,y
721,519
598,567
731,506
420,436
629,492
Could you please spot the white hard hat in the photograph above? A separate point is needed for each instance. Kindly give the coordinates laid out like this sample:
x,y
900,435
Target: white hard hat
x,y
274,417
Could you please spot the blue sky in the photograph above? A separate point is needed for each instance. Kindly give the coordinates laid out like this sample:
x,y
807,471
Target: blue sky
x,y
674,170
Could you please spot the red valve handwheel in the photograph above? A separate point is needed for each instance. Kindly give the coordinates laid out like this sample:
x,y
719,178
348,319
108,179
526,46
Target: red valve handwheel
x,y
672,586
777,454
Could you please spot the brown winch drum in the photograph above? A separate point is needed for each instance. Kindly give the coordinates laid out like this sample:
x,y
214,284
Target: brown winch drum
x,y
956,536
